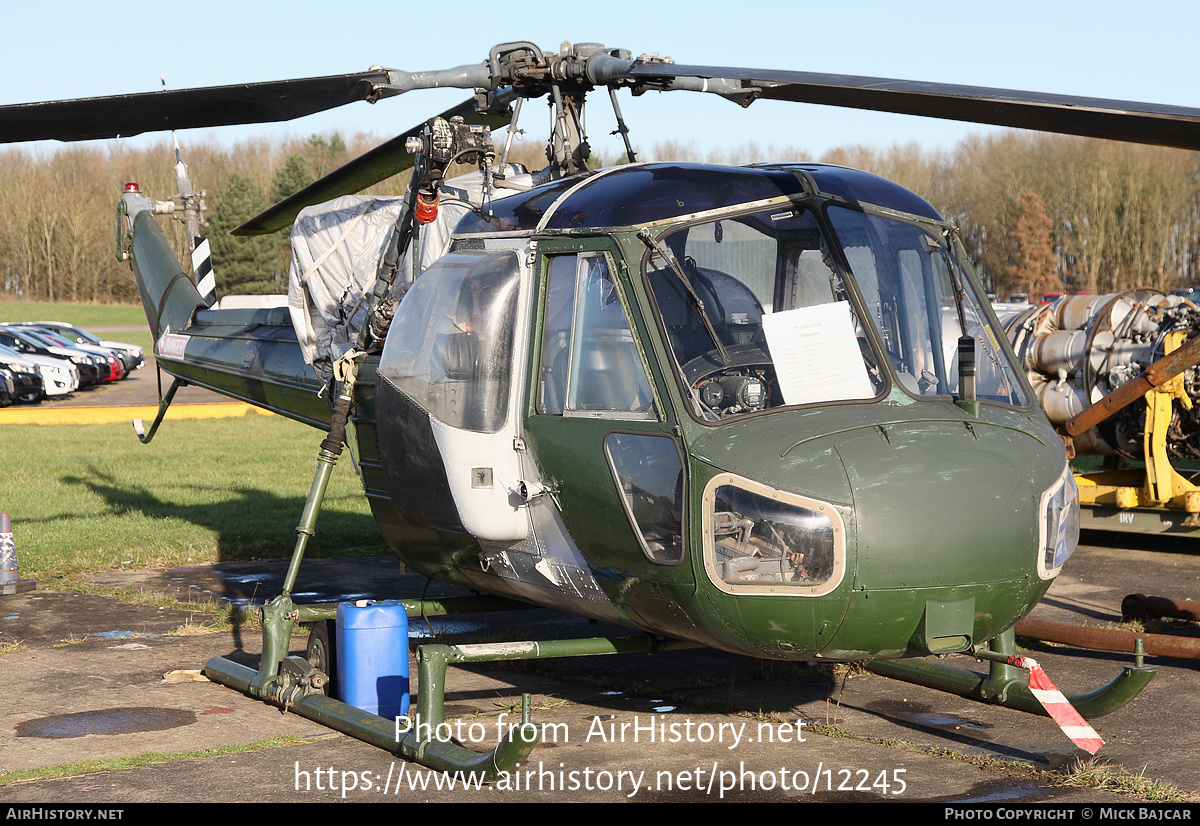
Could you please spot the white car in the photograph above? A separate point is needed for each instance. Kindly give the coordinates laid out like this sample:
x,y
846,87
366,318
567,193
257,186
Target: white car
x,y
60,376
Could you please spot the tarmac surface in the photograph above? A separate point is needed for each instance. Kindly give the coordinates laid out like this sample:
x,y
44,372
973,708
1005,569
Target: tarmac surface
x,y
96,678
134,397
104,679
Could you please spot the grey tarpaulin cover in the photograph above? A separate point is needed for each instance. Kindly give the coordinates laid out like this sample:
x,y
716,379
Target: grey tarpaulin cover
x,y
336,250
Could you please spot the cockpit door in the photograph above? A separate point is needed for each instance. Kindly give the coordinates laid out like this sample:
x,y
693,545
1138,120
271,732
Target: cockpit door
x,y
604,457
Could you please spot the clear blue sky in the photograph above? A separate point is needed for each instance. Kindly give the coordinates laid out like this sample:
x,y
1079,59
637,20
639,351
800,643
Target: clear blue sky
x,y
1107,49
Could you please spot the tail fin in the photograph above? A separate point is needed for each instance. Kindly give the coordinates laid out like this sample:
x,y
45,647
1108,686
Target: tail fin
x,y
206,280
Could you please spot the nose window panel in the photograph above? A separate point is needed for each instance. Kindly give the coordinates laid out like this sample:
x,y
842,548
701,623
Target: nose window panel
x,y
757,315
649,475
909,280
761,540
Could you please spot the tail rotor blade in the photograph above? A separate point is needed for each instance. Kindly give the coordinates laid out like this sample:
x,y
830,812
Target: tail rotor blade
x,y
206,279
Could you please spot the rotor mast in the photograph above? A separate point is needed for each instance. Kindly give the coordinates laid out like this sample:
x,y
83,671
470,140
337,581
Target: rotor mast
x,y
527,71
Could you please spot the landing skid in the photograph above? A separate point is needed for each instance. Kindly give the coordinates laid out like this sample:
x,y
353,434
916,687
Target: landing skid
x,y
297,686
294,684
1007,685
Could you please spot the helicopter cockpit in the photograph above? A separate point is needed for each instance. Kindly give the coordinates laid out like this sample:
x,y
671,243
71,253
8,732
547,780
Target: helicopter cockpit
x,y
761,312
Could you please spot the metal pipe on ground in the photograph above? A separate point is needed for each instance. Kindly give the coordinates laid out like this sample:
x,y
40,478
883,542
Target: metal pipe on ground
x,y
1109,639
1141,607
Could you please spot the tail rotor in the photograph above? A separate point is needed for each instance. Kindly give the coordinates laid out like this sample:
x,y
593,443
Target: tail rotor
x,y
190,208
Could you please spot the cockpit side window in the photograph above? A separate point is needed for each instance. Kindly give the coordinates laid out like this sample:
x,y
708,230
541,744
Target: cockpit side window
x,y
450,349
589,364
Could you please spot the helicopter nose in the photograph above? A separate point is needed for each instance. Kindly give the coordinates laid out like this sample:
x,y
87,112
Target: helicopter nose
x,y
939,502
947,533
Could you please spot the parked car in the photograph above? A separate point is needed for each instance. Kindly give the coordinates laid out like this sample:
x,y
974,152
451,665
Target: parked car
x,y
22,341
54,376
8,391
115,366
28,383
130,354
29,388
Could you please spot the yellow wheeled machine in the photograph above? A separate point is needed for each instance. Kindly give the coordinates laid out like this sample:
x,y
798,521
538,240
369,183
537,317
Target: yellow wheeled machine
x,y
1131,431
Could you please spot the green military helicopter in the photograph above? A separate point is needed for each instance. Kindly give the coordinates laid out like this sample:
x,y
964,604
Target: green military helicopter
x,y
765,409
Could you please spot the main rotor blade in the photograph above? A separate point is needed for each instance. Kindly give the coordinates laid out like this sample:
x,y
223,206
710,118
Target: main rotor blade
x,y
125,115
370,168
1149,123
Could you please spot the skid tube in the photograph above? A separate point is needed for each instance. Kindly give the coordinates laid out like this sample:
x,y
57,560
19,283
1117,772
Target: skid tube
x,y
1007,685
296,686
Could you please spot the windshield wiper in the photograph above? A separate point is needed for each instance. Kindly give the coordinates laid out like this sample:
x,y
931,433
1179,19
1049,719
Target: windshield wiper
x,y
966,342
668,256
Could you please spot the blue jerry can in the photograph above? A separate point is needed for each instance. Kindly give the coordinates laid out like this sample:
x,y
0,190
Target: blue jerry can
x,y
372,656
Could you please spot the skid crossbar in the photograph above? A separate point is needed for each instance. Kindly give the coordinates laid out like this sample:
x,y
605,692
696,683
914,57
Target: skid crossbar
x,y
424,739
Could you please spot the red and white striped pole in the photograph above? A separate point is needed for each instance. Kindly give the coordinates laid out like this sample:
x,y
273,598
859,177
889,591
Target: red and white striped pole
x,y
1060,710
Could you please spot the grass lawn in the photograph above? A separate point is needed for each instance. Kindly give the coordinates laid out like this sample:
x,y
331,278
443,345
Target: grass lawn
x,y
91,497
81,315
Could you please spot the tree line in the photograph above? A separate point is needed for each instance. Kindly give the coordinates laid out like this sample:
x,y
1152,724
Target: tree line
x,y
1037,213
1047,213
